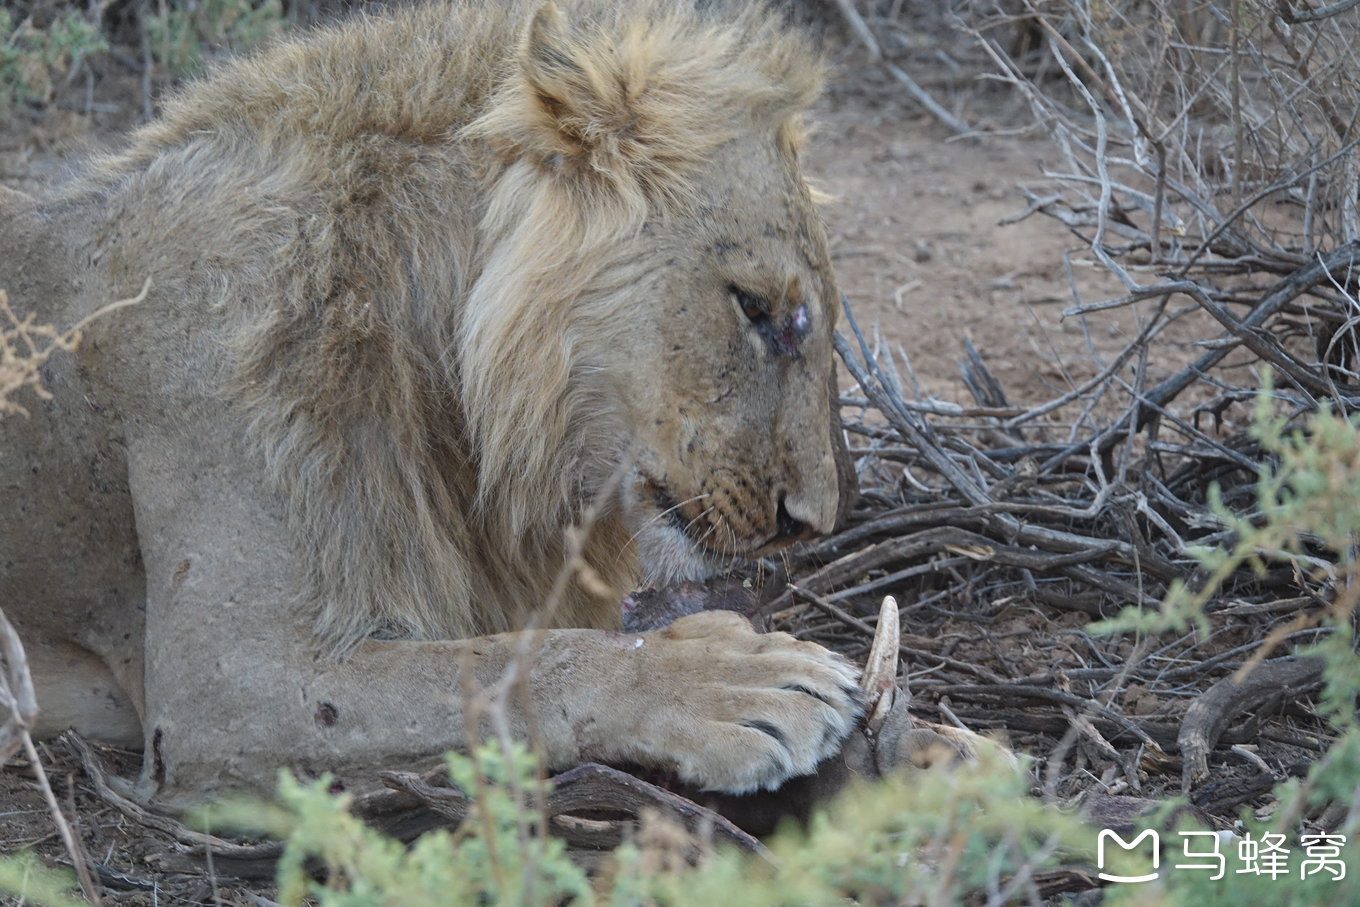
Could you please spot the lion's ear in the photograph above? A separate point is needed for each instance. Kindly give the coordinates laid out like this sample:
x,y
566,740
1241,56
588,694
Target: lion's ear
x,y
548,67
637,92
583,85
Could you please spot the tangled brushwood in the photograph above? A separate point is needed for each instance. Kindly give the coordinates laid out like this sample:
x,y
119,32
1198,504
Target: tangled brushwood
x,y
24,347
1209,164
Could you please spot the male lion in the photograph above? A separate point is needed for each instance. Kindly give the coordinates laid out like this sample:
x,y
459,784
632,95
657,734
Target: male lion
x,y
424,289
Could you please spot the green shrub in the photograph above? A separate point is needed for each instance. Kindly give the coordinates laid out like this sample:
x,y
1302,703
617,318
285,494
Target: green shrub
x,y
494,857
24,876
1308,515
915,838
898,841
32,59
181,34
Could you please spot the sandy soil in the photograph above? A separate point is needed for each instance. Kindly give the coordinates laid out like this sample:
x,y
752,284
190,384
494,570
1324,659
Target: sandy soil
x,y
919,248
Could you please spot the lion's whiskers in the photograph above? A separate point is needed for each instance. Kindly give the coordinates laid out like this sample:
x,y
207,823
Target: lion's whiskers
x,y
712,525
656,518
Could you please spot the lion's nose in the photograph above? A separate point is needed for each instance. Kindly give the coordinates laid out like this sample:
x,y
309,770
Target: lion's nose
x,y
790,529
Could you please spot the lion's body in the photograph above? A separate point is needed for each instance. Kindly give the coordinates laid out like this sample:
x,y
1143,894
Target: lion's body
x,y
422,291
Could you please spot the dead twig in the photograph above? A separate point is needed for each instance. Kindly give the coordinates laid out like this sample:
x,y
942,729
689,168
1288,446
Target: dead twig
x,y
25,346
1209,714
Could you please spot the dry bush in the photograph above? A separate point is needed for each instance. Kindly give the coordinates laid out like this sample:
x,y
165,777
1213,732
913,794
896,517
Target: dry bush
x,y
24,347
1209,162
1207,159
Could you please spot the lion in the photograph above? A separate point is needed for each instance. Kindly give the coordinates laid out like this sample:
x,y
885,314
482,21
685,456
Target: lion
x,y
431,294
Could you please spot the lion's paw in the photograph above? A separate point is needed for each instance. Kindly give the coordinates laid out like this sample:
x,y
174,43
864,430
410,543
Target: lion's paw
x,y
732,710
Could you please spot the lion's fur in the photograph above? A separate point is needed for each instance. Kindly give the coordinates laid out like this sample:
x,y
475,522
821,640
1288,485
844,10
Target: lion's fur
x,y
429,215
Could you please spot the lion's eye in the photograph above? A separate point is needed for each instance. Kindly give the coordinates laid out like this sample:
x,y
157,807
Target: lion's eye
x,y
781,339
753,307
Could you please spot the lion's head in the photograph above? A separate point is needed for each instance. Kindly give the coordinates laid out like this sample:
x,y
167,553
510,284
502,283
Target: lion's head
x,y
658,298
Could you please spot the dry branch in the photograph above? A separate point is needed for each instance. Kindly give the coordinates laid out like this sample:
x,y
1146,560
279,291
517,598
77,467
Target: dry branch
x,y
17,696
25,346
591,806
865,35
1206,159
1211,713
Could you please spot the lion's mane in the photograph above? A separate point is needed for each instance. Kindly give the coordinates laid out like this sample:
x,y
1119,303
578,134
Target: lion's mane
x,y
414,250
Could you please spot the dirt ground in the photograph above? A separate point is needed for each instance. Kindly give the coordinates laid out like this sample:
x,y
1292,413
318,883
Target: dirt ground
x,y
920,251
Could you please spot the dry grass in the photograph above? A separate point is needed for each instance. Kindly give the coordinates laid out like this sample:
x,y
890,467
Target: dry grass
x,y
24,347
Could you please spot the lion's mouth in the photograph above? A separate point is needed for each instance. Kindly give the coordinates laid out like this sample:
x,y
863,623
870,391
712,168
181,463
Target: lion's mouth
x,y
695,524
671,512
668,509
698,526
669,545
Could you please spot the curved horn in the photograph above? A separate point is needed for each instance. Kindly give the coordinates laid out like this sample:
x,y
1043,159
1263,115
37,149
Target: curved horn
x,y
879,679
